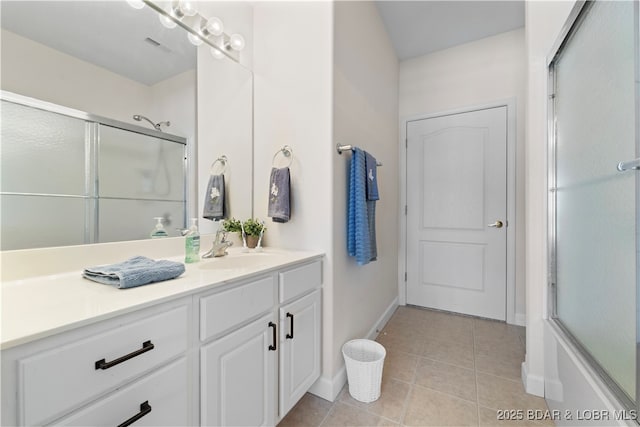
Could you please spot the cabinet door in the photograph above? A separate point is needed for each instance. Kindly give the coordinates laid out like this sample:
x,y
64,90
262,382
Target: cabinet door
x,y
300,349
238,377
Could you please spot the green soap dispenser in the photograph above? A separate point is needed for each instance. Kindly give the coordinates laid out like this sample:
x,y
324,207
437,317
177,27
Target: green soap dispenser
x,y
159,230
192,243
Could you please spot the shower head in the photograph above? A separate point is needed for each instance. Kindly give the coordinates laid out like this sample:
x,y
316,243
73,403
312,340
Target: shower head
x,y
156,126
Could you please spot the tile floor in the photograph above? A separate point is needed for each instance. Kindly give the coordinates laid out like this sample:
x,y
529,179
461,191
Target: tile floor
x,y
441,369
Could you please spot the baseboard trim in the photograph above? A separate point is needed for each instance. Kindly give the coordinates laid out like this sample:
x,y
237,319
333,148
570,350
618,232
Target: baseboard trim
x,y
329,388
382,321
520,319
533,384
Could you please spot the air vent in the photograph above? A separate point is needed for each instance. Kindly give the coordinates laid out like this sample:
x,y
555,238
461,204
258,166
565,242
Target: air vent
x,y
152,42
159,45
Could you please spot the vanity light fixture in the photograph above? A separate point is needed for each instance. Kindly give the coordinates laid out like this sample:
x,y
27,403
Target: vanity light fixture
x,y
236,42
167,21
194,39
186,7
200,29
217,53
136,4
211,27
178,11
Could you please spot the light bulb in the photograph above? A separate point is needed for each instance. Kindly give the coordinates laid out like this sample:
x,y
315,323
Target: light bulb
x,y
236,41
195,40
166,21
187,7
216,53
136,4
214,26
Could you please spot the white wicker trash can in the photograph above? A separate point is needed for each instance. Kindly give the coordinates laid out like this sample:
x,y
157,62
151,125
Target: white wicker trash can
x,y
364,360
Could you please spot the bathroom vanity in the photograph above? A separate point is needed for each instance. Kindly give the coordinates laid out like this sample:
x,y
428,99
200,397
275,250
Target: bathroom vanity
x,y
233,341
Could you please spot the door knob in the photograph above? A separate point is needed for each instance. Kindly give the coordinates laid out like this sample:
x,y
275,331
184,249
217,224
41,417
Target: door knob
x,y
497,224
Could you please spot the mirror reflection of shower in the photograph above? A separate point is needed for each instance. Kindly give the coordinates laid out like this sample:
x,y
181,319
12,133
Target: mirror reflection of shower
x,y
151,177
156,126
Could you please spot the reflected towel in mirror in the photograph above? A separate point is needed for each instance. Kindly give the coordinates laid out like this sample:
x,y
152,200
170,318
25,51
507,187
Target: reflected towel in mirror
x,y
136,271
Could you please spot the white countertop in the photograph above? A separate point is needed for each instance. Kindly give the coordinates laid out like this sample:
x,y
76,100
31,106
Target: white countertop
x,y
38,307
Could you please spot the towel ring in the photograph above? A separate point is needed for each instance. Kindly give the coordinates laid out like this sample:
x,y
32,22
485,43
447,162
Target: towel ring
x,y
223,160
287,152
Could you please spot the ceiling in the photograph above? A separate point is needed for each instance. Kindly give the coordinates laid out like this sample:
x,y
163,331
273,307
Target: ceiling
x,y
110,34
420,27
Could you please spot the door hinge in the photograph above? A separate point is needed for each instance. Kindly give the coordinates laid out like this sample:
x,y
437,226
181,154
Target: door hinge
x,y
406,209
405,276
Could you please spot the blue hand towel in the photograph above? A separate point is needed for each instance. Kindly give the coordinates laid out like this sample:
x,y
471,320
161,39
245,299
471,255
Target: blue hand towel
x,y
358,236
280,195
136,271
372,195
372,177
214,199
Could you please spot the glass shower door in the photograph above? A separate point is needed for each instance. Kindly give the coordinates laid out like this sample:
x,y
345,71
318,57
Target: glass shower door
x,y
595,204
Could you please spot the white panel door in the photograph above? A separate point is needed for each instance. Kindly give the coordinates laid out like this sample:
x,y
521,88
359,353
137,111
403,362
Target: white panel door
x,y
238,377
299,349
456,218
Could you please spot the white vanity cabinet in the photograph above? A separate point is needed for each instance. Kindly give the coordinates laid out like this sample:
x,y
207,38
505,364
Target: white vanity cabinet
x,y
237,352
102,373
242,382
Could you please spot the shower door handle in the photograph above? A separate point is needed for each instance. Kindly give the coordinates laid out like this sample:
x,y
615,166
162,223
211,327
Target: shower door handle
x,y
497,224
630,165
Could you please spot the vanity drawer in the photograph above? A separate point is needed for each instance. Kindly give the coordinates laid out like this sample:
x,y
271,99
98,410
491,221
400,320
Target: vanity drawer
x,y
164,391
55,381
300,280
224,310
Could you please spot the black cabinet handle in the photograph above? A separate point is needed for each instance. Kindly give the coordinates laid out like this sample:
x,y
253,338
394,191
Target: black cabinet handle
x,y
290,336
145,408
275,337
102,364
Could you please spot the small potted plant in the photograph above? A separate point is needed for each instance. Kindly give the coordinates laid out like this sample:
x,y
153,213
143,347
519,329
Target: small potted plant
x,y
252,229
232,225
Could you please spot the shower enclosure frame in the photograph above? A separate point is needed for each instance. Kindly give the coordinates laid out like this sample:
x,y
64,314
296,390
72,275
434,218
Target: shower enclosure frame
x,y
92,141
576,16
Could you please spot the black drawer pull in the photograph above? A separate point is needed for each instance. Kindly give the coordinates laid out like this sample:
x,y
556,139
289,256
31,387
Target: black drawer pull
x,y
275,337
290,336
145,408
102,364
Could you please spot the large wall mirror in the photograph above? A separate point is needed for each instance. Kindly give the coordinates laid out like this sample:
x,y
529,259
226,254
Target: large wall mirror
x,y
77,166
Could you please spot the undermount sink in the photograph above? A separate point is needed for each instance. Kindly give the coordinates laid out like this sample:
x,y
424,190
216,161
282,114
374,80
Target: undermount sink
x,y
240,260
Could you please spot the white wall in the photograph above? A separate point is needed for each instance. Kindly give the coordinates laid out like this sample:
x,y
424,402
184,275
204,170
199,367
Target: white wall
x,y
309,92
365,113
225,114
468,75
543,22
293,51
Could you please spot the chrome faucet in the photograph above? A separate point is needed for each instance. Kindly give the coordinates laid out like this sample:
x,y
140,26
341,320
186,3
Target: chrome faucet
x,y
220,245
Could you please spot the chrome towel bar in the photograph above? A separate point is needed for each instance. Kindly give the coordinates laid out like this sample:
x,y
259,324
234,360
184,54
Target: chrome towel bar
x,y
340,148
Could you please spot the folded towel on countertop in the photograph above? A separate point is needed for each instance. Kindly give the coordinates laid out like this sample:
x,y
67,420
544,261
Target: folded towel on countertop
x,y
280,195
136,271
358,236
214,199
